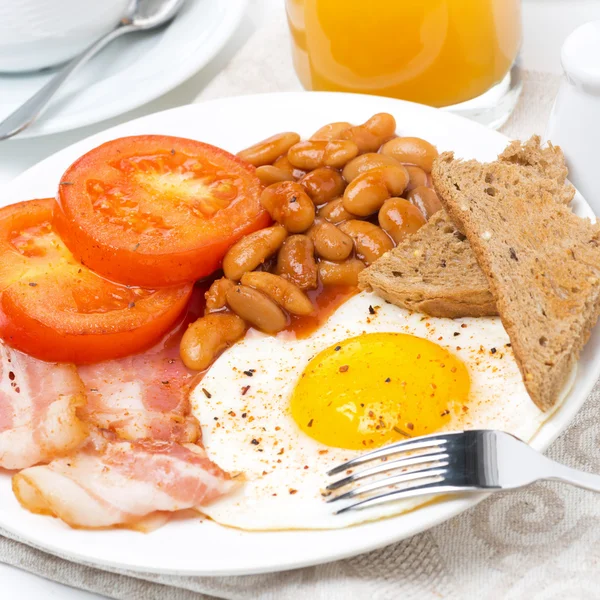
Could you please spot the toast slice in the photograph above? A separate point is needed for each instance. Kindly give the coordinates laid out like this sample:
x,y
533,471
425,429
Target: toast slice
x,y
433,271
542,263
458,289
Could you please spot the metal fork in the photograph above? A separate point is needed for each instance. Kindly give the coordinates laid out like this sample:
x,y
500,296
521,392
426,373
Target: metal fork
x,y
463,461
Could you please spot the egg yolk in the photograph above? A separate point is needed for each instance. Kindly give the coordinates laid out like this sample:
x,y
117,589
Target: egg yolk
x,y
379,388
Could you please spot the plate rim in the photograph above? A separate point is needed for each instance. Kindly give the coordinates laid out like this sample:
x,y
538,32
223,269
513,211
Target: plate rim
x,y
546,435
231,18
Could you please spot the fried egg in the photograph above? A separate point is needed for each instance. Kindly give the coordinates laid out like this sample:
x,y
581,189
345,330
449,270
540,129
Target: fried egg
x,y
281,412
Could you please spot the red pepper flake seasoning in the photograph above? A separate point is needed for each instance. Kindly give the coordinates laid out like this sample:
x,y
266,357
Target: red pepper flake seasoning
x,y
11,376
204,391
280,452
410,426
323,451
244,415
453,370
277,428
293,491
444,413
231,413
371,310
465,408
310,423
249,373
245,390
371,414
305,466
508,345
18,390
456,333
250,419
418,356
255,442
344,368
464,325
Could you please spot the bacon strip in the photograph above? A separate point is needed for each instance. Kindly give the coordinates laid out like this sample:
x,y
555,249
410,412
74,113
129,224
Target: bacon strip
x,y
114,482
38,410
145,396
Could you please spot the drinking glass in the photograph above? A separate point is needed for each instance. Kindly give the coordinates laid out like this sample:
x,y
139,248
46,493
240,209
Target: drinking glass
x,y
459,54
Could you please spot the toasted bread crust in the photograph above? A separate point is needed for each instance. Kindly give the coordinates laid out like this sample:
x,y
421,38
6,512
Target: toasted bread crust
x,y
463,290
434,272
542,263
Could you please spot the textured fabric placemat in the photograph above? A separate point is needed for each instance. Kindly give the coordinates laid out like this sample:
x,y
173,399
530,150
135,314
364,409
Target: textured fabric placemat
x,y
541,543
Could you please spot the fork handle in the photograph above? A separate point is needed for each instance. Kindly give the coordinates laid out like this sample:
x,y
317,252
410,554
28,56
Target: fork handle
x,y
582,479
30,110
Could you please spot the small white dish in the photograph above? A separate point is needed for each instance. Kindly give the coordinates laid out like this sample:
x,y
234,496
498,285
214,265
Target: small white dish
x,y
574,124
36,33
129,72
195,547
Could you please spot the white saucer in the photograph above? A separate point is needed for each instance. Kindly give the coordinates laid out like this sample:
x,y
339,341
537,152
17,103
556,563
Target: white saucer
x,y
131,71
204,548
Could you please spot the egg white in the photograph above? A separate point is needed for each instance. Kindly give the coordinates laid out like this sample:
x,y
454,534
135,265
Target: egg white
x,y
242,405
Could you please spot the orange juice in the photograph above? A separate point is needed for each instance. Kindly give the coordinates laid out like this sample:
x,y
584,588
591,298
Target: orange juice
x,y
437,52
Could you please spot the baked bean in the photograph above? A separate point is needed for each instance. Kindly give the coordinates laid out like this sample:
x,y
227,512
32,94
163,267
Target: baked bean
x,y
334,211
366,162
373,133
323,184
330,242
399,218
285,165
331,131
288,203
256,308
252,250
413,151
268,174
207,337
287,294
370,241
216,296
296,262
425,199
267,151
416,177
313,154
340,273
365,195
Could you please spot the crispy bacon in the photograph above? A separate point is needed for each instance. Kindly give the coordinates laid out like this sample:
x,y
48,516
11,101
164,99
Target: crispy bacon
x,y
145,396
111,482
38,410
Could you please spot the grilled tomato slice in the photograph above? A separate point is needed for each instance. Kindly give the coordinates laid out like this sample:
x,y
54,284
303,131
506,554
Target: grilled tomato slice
x,y
54,308
155,210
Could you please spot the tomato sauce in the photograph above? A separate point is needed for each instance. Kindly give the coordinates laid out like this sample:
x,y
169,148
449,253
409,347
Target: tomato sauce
x,y
326,300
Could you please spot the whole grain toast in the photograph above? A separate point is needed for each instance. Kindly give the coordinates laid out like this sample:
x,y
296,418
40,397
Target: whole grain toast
x,y
541,260
459,289
433,271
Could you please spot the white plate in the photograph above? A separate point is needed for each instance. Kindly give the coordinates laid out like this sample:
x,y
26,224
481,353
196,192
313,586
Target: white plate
x,y
131,71
205,548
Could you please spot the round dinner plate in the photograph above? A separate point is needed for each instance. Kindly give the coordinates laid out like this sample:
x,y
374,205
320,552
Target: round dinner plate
x,y
201,547
129,72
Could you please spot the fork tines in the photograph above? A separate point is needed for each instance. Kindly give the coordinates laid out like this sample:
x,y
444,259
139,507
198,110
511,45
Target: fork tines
x,y
422,463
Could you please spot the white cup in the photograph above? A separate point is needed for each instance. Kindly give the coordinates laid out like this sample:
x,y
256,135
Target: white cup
x,y
574,124
41,33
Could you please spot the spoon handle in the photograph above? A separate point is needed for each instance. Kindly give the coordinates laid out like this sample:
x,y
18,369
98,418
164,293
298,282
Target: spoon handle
x,y
30,110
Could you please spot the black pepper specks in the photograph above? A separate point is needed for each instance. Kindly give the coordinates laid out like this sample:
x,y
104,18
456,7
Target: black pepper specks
x,y
513,254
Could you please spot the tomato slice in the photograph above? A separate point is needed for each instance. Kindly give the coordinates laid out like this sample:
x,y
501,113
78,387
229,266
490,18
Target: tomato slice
x,y
54,308
155,210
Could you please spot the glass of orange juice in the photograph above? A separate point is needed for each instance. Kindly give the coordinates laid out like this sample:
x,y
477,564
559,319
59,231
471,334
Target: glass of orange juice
x,y
446,53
